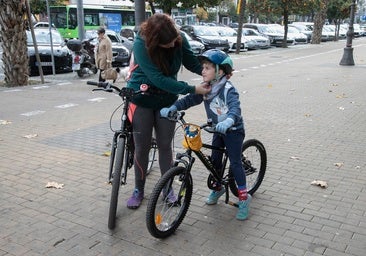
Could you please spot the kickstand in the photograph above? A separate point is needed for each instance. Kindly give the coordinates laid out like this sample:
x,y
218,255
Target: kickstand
x,y
227,201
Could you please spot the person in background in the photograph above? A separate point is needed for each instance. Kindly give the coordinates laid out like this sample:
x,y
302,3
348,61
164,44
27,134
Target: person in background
x,y
103,54
223,108
159,51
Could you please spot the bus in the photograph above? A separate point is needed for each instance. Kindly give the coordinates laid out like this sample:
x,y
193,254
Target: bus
x,y
111,17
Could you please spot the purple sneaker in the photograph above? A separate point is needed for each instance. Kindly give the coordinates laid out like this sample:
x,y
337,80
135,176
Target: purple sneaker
x,y
135,200
170,198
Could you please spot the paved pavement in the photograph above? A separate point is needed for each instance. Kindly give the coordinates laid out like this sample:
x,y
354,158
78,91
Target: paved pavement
x,y
308,111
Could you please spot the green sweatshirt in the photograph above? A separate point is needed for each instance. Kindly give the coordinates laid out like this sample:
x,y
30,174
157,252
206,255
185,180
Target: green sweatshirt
x,y
148,73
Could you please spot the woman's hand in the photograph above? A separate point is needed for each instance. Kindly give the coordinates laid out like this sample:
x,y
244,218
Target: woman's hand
x,y
203,88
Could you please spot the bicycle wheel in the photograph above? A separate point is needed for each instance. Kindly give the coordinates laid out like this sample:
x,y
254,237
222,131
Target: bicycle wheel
x,y
254,159
163,217
119,166
152,155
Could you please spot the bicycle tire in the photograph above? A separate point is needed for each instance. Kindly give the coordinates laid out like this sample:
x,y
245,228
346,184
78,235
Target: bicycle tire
x,y
163,218
152,155
116,180
254,159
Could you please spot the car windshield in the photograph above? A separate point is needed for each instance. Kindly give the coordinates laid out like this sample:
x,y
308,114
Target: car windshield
x,y
267,29
227,32
187,36
250,32
43,37
206,31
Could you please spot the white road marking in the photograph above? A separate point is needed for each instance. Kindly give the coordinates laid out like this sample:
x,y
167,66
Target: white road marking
x,y
33,113
96,99
68,105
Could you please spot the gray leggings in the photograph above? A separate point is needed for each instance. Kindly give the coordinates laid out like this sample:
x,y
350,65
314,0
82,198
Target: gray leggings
x,y
143,122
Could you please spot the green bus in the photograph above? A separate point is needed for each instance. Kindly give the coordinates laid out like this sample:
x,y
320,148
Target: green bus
x,y
111,17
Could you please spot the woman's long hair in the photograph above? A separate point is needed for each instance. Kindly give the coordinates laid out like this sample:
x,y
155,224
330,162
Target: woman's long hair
x,y
160,29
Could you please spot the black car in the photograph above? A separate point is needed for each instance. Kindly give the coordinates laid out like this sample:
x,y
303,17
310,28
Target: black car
x,y
196,46
62,55
121,47
208,36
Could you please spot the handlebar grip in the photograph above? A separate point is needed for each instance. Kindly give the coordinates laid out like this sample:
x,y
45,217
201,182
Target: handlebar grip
x,y
92,83
99,84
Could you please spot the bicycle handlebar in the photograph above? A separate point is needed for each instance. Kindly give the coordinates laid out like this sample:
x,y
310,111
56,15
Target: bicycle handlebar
x,y
125,91
208,126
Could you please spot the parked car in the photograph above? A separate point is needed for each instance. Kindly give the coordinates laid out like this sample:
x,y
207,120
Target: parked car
x,y
231,36
121,48
197,47
208,36
62,55
294,33
128,33
272,32
342,34
43,24
260,41
303,29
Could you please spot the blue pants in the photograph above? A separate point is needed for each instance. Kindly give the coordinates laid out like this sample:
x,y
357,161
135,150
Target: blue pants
x,y
233,140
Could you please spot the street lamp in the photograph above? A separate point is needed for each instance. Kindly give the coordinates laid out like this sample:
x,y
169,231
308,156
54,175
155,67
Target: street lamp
x,y
347,59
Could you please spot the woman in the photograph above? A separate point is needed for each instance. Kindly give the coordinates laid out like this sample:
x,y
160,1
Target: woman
x,y
159,51
104,54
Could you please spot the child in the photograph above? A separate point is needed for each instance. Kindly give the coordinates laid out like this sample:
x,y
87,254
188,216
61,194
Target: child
x,y
223,108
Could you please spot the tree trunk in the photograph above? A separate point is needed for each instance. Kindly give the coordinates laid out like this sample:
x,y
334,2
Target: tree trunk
x,y
14,42
285,23
319,20
241,21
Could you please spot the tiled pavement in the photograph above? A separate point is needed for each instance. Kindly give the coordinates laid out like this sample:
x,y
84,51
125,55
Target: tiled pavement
x,y
309,112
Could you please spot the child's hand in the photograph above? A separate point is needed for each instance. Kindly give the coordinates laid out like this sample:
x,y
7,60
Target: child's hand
x,y
224,125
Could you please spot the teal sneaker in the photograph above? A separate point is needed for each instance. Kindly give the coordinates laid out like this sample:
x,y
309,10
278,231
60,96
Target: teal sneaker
x,y
243,211
214,196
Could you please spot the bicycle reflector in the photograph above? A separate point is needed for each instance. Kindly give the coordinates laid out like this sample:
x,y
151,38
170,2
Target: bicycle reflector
x,y
192,137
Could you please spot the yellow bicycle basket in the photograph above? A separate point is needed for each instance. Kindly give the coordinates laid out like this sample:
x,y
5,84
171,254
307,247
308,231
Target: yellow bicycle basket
x,y
192,137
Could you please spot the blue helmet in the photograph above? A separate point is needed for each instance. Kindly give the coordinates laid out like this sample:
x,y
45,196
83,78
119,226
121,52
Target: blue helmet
x,y
219,58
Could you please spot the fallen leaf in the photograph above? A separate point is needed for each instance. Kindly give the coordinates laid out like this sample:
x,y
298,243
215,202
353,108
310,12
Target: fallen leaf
x,y
4,122
341,96
338,164
30,136
319,183
52,184
269,86
107,153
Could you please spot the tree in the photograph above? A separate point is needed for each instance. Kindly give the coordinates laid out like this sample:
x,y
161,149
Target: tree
x,y
168,5
39,6
319,20
14,42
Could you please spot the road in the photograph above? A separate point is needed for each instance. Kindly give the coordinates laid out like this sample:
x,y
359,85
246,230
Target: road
x,y
308,111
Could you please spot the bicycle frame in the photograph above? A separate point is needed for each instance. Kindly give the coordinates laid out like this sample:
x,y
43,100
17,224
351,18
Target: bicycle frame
x,y
206,161
126,132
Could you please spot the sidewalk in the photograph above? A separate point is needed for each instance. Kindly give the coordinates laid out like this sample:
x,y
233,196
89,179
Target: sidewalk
x,y
309,112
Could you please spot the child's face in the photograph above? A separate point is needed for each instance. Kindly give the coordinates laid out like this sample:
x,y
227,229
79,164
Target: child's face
x,y
208,72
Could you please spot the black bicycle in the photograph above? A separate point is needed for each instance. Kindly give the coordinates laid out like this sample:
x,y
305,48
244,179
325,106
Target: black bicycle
x,y
122,151
163,217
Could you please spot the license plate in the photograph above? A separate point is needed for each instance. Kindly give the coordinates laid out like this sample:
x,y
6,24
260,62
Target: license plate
x,y
75,66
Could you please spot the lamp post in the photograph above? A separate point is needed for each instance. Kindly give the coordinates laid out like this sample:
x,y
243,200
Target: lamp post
x,y
347,59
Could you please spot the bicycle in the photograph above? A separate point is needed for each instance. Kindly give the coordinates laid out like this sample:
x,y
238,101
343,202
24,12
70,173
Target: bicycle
x,y
163,217
122,151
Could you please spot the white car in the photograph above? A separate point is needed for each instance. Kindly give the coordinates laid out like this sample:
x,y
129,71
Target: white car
x,y
300,38
231,36
257,40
